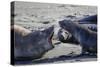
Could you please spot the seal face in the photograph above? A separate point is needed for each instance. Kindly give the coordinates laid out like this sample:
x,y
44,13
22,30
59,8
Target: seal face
x,y
87,38
33,45
66,37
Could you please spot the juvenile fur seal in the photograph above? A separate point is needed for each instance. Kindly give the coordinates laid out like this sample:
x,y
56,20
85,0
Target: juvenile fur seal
x,y
86,37
33,45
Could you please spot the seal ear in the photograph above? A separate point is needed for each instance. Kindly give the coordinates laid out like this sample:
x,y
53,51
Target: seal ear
x,y
49,31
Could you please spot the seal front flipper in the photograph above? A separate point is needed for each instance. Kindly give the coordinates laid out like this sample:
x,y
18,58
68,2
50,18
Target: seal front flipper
x,y
91,21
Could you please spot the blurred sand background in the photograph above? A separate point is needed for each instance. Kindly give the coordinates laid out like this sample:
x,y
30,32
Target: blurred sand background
x,y
38,16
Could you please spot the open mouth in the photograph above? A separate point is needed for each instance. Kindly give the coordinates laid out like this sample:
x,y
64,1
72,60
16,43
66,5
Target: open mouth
x,y
51,38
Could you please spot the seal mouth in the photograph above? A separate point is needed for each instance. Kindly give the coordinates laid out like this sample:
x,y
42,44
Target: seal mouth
x,y
51,38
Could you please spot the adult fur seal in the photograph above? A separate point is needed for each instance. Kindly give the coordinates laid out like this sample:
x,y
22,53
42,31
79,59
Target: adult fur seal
x,y
86,37
33,45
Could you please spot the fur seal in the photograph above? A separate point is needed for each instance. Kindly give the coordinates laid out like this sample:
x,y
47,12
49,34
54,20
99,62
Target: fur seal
x,y
33,45
86,37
